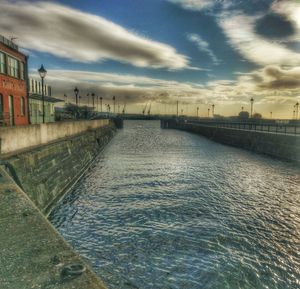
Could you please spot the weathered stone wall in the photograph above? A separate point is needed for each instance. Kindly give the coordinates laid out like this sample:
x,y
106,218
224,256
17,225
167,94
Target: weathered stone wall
x,y
13,139
277,145
45,173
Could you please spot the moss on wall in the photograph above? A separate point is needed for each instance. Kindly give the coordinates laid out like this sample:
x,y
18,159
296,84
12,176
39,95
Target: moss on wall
x,y
46,172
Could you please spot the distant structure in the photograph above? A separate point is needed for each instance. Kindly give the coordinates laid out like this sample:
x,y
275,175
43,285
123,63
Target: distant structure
x,y
13,84
244,115
36,102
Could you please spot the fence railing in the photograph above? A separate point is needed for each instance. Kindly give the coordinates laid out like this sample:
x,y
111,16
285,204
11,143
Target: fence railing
x,y
278,128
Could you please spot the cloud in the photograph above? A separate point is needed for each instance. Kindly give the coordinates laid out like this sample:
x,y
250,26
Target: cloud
x,y
240,31
227,95
196,5
82,37
203,46
275,77
129,88
199,5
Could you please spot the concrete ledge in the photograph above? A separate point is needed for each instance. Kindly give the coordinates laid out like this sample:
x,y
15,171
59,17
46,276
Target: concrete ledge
x,y
13,139
33,254
282,146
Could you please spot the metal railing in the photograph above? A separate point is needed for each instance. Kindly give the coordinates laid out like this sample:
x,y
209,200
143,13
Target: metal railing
x,y
278,128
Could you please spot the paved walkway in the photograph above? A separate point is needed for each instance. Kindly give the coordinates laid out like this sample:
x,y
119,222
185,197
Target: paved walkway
x,y
32,253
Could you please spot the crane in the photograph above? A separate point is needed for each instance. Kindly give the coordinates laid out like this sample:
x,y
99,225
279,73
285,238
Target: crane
x,y
145,108
149,110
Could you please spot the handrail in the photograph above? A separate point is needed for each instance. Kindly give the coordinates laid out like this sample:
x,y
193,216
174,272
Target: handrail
x,y
278,128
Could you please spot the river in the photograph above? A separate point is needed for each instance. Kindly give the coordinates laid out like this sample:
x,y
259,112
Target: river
x,y
168,209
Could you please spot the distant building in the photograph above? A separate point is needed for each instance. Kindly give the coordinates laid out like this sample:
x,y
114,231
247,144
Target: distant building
x,y
36,102
13,84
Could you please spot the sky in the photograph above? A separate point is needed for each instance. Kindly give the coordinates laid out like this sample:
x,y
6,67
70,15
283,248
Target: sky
x,y
157,52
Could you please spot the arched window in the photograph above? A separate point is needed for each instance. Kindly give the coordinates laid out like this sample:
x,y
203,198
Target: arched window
x,y
22,105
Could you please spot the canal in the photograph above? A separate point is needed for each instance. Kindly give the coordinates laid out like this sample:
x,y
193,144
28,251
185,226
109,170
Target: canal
x,y
168,209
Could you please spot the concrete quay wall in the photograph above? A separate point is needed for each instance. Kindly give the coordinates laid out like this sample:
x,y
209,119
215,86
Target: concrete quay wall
x,y
33,254
46,172
17,138
281,146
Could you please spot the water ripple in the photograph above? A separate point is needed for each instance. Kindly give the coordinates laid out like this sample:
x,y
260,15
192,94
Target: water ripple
x,y
166,209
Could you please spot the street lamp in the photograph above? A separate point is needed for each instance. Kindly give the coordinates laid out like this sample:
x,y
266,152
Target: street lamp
x,y
251,100
76,91
93,99
297,108
213,110
114,100
101,98
43,72
197,111
208,110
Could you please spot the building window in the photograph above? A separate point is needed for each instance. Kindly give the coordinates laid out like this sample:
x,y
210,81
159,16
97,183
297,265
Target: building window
x,y
2,63
22,105
22,71
13,67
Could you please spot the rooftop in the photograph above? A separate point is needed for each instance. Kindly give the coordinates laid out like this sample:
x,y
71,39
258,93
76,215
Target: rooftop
x,y
8,43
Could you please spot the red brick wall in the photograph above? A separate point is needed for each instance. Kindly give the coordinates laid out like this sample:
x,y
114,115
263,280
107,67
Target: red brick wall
x,y
15,87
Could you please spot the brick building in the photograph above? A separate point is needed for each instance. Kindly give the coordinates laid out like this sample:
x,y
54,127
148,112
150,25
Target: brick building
x,y
13,84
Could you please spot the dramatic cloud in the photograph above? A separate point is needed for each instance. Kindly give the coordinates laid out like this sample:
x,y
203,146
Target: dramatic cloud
x,y
262,38
82,37
203,46
240,30
274,77
129,88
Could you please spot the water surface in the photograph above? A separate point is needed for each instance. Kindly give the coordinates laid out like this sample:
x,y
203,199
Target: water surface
x,y
167,209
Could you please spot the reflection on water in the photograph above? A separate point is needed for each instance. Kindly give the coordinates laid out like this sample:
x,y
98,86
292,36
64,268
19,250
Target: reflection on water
x,y
169,209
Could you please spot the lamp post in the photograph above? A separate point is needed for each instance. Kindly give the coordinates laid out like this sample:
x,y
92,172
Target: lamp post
x,y
271,114
66,98
197,111
93,100
297,107
213,110
208,110
101,98
251,101
43,72
114,100
76,91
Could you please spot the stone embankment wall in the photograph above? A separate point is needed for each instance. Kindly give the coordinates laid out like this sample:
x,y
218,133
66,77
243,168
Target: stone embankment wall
x,y
40,164
46,172
282,146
